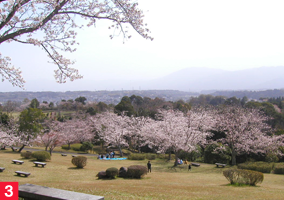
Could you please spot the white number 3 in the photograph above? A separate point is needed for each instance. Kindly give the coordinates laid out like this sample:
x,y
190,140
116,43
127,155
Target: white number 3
x,y
9,189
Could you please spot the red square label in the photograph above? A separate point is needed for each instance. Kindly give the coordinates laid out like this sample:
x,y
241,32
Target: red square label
x,y
9,190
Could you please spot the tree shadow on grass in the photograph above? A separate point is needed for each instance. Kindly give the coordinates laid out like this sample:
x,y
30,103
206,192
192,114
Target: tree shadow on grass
x,y
76,168
21,176
239,185
12,152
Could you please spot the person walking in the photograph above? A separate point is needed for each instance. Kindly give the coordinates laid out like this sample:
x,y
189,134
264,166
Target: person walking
x,y
149,165
189,167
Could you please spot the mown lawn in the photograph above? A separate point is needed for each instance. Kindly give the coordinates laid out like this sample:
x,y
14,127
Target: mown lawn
x,y
204,182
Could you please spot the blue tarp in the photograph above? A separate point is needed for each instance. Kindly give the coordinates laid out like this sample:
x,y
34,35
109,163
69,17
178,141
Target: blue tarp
x,y
113,158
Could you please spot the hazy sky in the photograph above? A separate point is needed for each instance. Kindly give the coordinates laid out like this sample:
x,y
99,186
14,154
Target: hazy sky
x,y
223,34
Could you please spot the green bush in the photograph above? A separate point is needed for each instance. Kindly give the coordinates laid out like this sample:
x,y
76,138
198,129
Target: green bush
x,y
271,157
26,155
41,155
279,168
101,175
65,146
242,176
210,156
112,172
122,172
150,156
86,146
75,147
136,171
136,156
79,161
263,167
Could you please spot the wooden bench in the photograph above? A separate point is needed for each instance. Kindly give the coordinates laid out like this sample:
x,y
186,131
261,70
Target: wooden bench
x,y
195,164
19,173
39,163
220,165
63,154
2,169
18,161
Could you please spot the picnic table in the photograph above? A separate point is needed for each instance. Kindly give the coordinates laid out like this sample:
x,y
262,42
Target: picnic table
x,y
2,169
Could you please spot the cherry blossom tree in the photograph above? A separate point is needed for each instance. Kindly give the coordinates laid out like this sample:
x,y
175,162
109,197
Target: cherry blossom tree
x,y
78,129
52,25
176,131
68,130
136,131
113,129
52,137
10,135
7,138
246,131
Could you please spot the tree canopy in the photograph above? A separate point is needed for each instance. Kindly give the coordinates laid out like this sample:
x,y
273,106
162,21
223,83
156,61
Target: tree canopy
x,y
52,25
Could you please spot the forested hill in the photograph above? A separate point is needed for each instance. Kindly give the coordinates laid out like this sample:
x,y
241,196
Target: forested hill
x,y
114,97
109,97
249,94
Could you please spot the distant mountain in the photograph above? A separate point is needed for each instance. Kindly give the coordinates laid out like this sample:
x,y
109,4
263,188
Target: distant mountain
x,y
198,79
190,79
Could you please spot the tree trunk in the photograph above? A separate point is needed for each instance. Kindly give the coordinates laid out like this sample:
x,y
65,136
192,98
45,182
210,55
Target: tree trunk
x,y
234,155
22,148
13,149
176,159
170,156
120,151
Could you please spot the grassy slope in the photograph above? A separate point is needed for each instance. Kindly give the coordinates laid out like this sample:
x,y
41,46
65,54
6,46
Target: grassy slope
x,y
204,182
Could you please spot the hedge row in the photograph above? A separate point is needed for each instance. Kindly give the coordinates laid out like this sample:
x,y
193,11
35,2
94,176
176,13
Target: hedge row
x,y
263,167
75,147
279,168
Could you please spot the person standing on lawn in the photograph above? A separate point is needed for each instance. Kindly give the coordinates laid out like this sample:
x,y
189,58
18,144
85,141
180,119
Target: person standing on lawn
x,y
149,165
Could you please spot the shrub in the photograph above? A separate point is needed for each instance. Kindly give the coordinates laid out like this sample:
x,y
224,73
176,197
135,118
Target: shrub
x,y
65,146
101,174
242,176
112,172
271,157
26,155
136,171
150,156
211,156
122,172
75,147
86,146
279,169
136,156
79,161
257,166
41,155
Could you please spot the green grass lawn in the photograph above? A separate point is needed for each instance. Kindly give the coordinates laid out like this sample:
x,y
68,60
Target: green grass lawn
x,y
204,182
